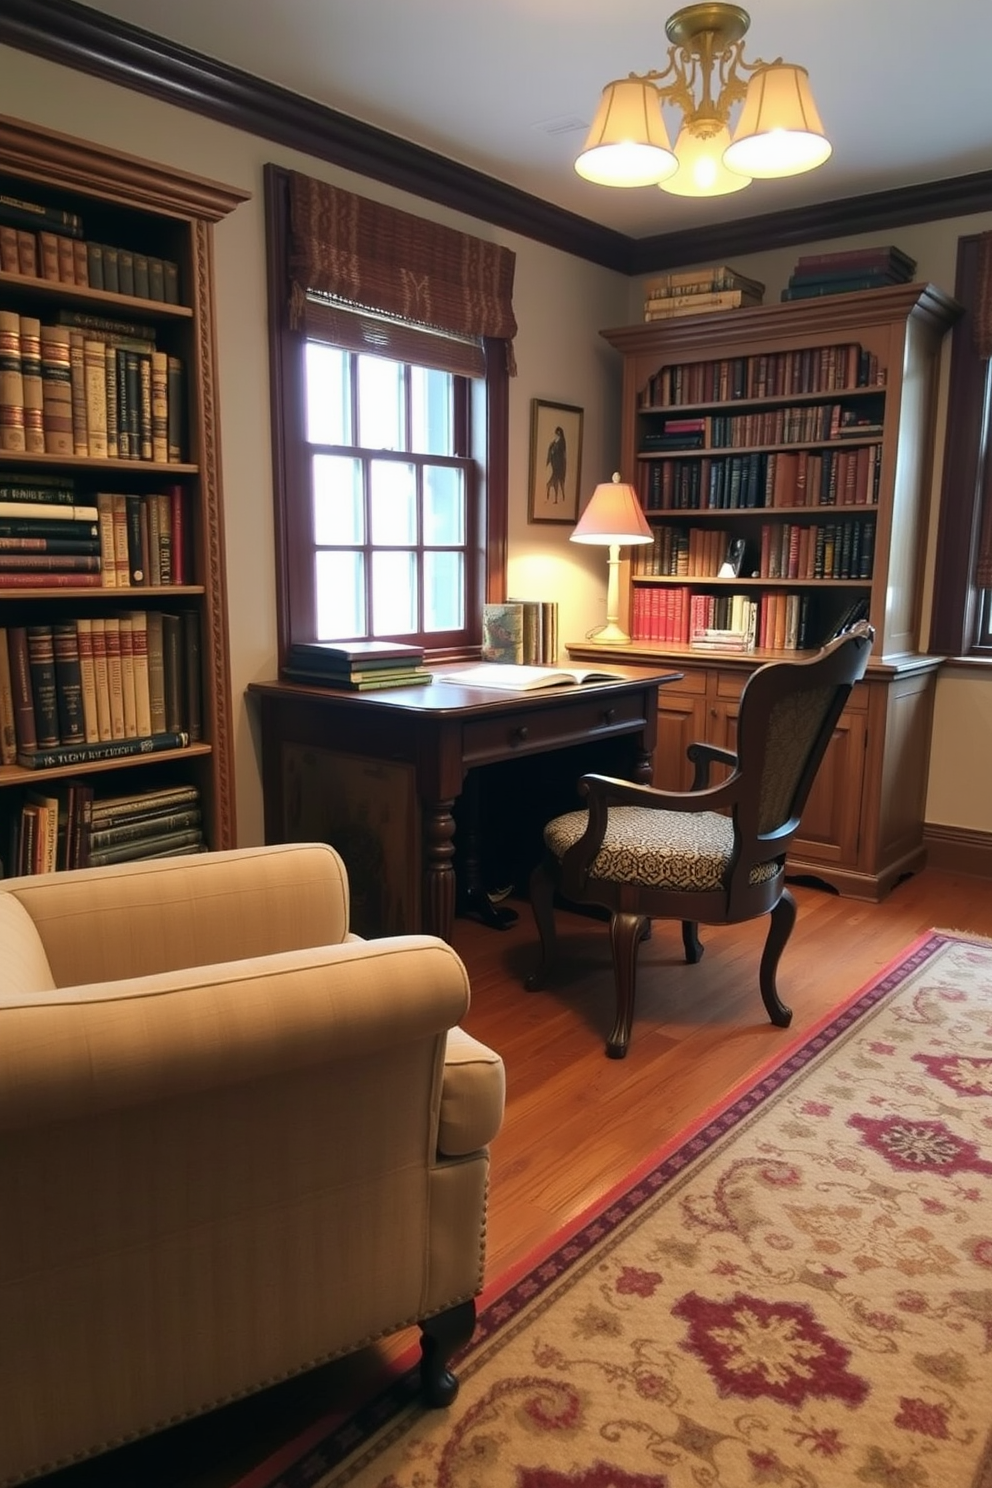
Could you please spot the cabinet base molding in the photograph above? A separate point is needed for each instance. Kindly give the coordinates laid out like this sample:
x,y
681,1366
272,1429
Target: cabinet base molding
x,y
959,849
873,887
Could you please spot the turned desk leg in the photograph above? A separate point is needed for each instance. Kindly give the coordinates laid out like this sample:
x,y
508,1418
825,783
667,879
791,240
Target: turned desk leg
x,y
439,874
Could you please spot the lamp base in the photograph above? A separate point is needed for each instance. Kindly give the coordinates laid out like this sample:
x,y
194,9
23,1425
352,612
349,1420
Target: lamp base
x,y
610,635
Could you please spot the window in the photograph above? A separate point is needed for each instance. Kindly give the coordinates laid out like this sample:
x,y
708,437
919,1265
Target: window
x,y
961,618
393,499
390,433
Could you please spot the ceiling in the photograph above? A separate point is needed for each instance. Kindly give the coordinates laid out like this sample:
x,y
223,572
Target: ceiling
x,y
509,87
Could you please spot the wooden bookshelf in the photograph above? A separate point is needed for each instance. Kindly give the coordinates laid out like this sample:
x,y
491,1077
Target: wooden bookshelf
x,y
810,381
149,211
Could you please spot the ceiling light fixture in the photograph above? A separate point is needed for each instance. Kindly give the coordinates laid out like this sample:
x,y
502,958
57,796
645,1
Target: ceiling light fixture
x,y
778,132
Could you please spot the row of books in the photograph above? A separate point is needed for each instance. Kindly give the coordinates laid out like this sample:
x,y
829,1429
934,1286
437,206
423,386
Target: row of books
x,y
49,539
792,424
357,666
775,621
847,270
67,389
523,632
690,552
40,242
67,826
99,687
773,374
828,550
699,291
762,480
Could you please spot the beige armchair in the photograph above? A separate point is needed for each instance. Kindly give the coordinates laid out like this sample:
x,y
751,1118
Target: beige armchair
x,y
235,1141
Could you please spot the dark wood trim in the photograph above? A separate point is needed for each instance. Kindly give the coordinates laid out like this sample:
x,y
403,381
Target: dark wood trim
x,y
958,849
953,614
497,465
76,36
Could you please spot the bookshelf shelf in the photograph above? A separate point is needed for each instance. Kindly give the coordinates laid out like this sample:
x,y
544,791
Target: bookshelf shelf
x,y
161,218
863,824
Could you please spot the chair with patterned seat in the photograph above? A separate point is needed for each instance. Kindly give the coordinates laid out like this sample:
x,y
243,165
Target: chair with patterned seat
x,y
714,854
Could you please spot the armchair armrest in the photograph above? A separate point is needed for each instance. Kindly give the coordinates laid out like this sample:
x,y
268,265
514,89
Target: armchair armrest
x,y
702,756
76,1052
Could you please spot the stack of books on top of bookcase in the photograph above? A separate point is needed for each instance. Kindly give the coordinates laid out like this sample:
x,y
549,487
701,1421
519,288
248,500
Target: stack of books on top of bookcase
x,y
818,274
698,291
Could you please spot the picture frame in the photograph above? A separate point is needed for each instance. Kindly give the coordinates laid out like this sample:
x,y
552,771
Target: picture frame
x,y
555,462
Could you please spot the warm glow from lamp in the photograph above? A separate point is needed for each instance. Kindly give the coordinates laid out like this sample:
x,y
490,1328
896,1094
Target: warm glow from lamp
x,y
628,142
613,519
779,132
701,169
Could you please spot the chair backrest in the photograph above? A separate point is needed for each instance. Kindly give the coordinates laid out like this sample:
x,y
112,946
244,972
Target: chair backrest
x,y
788,711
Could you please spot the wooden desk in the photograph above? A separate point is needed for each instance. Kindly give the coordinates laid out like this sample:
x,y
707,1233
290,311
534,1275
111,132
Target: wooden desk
x,y
376,772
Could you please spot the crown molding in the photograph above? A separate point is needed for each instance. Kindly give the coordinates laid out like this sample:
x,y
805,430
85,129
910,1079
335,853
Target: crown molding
x,y
77,36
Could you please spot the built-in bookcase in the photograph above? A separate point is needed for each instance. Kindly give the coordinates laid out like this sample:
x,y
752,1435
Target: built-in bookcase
x,y
794,442
108,260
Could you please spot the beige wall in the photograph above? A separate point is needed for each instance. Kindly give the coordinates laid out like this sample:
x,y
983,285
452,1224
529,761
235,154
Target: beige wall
x,y
561,304
962,733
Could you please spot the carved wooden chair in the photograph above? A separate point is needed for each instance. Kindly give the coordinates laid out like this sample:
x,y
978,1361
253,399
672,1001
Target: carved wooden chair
x,y
714,854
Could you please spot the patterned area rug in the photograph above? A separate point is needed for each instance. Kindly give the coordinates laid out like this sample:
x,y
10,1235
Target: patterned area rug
x,y
797,1294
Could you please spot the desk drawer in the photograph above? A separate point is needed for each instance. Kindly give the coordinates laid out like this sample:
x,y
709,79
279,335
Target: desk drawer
x,y
531,731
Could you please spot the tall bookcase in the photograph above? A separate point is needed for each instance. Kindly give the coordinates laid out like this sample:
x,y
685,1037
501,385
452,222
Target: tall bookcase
x,y
152,212
801,434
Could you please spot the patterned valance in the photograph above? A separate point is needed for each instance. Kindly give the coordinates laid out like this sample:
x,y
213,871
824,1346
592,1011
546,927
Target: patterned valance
x,y
379,258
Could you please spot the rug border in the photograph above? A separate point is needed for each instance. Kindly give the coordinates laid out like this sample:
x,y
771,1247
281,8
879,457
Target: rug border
x,y
809,1043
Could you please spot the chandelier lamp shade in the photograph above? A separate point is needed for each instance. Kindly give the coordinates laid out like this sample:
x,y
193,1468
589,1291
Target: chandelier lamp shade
x,y
778,131
613,519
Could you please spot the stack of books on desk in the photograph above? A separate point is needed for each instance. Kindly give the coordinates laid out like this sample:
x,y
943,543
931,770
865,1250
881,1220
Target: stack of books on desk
x,y
359,666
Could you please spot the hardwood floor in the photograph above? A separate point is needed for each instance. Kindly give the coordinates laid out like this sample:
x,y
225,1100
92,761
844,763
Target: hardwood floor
x,y
576,1122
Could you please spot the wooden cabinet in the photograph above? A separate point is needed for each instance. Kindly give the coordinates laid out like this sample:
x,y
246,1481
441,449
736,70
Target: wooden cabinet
x,y
815,381
148,214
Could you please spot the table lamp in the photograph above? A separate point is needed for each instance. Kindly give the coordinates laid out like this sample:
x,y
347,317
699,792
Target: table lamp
x,y
613,518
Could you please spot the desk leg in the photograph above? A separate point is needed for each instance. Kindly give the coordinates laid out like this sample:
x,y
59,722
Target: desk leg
x,y
644,768
439,873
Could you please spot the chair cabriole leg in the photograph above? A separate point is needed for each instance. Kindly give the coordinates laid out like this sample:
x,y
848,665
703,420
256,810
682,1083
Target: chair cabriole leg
x,y
781,921
626,934
691,942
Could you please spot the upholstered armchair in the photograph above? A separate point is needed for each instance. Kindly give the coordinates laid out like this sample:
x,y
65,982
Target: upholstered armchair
x,y
714,854
235,1141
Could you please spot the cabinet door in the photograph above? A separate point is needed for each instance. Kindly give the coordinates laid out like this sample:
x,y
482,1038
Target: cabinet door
x,y
831,822
683,719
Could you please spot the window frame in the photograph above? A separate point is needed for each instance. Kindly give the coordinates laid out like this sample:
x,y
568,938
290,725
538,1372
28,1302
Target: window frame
x,y
966,481
488,447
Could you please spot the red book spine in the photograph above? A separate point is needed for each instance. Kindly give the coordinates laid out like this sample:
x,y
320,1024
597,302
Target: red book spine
x,y
180,566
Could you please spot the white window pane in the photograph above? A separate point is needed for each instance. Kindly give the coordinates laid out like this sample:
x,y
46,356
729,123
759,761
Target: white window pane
x,y
394,593
444,505
328,394
430,412
444,591
338,509
340,596
393,502
380,403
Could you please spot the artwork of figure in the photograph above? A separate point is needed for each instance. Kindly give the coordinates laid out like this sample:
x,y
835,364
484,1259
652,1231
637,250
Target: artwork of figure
x,y
557,463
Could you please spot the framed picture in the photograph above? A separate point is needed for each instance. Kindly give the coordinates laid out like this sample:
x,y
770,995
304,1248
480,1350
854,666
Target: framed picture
x,y
555,462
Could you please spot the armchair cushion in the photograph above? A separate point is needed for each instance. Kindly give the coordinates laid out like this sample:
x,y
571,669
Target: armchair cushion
x,y
472,1095
663,849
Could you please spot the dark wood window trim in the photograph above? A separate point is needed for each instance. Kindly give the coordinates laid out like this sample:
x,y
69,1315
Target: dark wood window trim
x,y
490,448
967,475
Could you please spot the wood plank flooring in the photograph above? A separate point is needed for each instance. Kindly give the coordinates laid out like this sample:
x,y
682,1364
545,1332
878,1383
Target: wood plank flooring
x,y
577,1122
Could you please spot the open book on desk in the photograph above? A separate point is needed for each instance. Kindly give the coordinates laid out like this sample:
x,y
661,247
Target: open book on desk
x,y
509,677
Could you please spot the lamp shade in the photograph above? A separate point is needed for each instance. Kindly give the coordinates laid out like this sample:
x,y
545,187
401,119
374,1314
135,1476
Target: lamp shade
x,y
614,515
779,132
701,169
627,144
